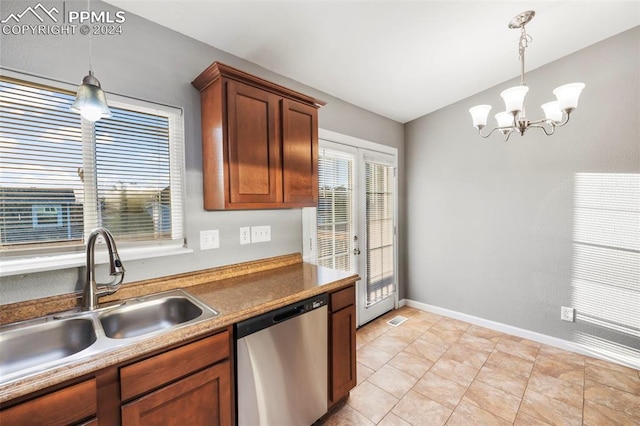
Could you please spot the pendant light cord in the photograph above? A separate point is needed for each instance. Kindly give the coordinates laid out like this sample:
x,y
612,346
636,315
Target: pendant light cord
x,y
90,44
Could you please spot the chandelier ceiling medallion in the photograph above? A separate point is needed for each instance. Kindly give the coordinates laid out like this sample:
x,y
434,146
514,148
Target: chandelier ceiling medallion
x,y
513,119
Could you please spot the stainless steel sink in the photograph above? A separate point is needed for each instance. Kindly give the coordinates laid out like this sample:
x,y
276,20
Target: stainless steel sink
x,y
34,346
24,348
147,316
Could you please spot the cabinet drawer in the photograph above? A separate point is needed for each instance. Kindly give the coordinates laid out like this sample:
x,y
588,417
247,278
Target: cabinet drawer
x,y
343,298
151,373
65,406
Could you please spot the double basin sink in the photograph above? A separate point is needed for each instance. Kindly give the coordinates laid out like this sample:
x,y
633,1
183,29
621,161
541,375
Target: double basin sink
x,y
33,346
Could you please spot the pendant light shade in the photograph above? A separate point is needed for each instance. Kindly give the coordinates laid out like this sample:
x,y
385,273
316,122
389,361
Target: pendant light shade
x,y
552,111
91,101
568,95
504,119
479,115
514,98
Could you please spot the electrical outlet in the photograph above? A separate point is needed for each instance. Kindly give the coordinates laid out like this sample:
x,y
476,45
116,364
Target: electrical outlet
x,y
209,239
260,234
245,235
566,314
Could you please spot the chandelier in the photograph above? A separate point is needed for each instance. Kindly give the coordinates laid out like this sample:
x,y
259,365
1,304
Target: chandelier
x,y
513,119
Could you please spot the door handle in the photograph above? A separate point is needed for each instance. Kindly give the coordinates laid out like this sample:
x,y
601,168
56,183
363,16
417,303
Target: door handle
x,y
356,251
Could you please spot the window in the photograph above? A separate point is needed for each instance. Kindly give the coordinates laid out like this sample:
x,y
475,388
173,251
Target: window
x,y
62,176
45,215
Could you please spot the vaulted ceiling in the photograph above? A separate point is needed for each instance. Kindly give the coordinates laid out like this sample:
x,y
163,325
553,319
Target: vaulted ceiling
x,y
400,59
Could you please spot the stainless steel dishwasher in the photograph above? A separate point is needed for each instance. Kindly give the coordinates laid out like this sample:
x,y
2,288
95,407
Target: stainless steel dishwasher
x,y
282,365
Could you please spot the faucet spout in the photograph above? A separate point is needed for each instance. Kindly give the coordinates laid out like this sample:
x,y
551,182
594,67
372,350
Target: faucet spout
x,y
92,290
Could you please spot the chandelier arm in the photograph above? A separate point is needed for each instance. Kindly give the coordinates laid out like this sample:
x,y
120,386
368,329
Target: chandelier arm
x,y
502,129
544,129
566,119
540,123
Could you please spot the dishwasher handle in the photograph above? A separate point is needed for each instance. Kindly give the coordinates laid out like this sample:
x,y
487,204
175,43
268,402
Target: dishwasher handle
x,y
272,318
288,314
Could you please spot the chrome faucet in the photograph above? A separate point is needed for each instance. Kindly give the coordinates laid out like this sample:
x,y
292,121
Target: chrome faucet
x,y
93,291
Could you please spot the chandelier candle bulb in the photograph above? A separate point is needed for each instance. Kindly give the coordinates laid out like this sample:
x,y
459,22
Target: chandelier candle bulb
x,y
479,115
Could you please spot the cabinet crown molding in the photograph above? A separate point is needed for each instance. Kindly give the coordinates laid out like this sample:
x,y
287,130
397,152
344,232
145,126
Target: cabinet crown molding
x,y
217,69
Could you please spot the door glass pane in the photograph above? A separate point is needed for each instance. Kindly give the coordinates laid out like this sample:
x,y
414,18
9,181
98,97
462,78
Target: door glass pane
x,y
380,280
335,210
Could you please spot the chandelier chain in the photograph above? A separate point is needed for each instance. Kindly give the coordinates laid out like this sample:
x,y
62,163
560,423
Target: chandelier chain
x,y
525,39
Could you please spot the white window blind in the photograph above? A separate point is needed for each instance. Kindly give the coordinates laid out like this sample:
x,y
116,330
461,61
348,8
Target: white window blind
x,y
606,260
62,176
335,210
380,282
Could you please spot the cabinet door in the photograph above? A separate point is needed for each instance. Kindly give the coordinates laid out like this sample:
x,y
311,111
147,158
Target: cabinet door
x,y
299,154
203,398
343,353
253,145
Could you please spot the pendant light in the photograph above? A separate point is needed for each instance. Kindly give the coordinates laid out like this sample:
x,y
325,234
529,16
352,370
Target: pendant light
x,y
513,118
91,102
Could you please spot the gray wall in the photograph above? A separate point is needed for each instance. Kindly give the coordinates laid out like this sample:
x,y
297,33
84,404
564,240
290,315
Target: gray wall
x,y
490,224
156,64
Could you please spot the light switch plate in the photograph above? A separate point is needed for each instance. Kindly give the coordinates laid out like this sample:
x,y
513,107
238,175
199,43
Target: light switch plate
x,y
209,239
260,234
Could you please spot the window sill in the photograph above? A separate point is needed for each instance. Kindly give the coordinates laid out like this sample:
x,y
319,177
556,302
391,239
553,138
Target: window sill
x,y
27,265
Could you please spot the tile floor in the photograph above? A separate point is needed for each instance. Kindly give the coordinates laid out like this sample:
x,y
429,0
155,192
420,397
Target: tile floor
x,y
434,370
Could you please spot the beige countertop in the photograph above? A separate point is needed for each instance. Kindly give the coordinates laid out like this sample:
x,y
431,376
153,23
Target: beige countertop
x,y
236,297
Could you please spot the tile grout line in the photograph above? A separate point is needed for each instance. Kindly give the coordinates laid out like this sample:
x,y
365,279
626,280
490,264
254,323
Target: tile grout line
x,y
527,386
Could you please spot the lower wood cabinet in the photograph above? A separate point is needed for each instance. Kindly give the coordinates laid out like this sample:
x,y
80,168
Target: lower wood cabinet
x,y
203,398
342,344
73,404
183,385
189,385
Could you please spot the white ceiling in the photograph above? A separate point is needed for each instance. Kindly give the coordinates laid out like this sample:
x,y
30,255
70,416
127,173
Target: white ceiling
x,y
400,59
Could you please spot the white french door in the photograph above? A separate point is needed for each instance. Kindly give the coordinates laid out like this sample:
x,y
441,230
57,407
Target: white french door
x,y
377,291
356,222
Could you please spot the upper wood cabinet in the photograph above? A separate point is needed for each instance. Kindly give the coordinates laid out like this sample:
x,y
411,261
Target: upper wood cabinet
x,y
259,142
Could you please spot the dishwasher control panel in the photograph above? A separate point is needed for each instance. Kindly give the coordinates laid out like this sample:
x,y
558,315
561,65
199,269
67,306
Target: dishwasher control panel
x,y
255,324
317,304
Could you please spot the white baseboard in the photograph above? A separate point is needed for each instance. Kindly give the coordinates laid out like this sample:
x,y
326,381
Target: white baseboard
x,y
527,334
